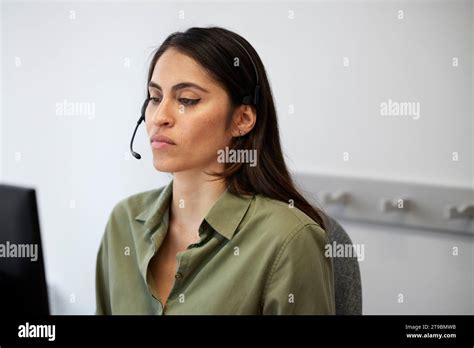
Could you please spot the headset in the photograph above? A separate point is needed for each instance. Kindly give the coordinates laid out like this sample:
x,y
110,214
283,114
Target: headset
x,y
246,100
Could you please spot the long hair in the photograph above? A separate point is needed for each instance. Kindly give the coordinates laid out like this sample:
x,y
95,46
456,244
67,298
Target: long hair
x,y
215,49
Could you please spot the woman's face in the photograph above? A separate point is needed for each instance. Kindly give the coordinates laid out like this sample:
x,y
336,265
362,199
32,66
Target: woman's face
x,y
193,117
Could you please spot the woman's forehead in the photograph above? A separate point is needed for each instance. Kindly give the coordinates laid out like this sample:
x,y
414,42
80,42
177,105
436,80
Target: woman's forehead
x,y
174,66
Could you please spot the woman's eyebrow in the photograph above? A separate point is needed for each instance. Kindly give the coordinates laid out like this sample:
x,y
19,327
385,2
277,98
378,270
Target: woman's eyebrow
x,y
179,86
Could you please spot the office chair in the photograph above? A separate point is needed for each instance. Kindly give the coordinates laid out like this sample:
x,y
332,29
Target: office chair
x,y
347,284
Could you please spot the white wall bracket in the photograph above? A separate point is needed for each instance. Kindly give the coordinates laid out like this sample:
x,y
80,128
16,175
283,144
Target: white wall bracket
x,y
415,205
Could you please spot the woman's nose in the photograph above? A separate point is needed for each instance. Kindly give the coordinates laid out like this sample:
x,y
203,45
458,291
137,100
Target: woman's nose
x,y
162,115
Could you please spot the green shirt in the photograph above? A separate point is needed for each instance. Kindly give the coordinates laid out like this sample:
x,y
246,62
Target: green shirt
x,y
255,256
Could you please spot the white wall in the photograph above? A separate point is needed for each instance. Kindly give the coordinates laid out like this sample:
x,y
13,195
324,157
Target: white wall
x,y
98,53
417,264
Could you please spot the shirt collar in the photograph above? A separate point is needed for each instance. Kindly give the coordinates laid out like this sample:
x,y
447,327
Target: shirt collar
x,y
224,216
227,213
153,213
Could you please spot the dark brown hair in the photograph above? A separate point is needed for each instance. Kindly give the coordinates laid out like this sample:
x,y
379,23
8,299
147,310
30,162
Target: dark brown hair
x,y
215,49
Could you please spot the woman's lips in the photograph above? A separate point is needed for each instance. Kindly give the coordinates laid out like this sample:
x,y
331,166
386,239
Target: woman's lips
x,y
160,144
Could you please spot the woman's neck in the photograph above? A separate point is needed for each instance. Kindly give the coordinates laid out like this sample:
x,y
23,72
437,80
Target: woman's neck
x,y
193,195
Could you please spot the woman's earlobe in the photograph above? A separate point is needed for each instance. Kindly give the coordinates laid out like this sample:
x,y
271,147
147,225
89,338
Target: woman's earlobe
x,y
238,133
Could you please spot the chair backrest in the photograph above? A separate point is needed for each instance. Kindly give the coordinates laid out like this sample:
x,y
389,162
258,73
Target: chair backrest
x,y
347,284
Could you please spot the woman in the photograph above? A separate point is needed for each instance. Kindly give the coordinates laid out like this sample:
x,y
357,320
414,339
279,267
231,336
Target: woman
x,y
229,234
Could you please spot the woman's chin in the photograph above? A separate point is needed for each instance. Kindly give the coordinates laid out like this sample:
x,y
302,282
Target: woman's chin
x,y
166,166
159,166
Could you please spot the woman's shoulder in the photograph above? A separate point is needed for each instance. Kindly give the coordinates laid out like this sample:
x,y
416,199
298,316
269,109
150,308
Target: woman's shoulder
x,y
282,211
282,218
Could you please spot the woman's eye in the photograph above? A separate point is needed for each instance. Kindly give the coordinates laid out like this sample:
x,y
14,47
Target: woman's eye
x,y
188,102
155,100
184,101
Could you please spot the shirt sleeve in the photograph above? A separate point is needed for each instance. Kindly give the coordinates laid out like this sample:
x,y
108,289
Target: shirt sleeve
x,y
301,280
102,278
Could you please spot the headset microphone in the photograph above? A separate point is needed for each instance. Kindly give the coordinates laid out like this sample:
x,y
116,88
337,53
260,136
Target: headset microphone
x,y
140,120
136,154
247,100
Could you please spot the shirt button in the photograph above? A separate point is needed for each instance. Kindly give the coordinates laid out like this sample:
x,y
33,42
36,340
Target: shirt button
x,y
178,275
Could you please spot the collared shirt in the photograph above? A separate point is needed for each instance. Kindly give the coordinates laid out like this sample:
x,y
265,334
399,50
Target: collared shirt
x,y
255,256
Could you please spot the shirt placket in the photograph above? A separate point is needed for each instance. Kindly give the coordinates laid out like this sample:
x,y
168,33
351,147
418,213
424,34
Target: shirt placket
x,y
182,259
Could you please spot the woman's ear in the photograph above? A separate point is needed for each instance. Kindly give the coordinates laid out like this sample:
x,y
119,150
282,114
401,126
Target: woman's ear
x,y
243,120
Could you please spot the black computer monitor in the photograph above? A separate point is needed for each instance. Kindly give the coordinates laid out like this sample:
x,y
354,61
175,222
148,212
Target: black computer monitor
x,y
23,290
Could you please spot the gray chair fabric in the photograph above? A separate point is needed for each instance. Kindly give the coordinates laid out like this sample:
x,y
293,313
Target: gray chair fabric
x,y
347,284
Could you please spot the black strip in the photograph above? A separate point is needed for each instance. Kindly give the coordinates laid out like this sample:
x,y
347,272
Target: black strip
x,y
292,330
